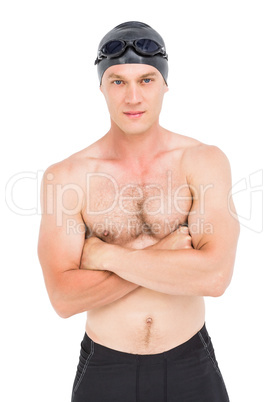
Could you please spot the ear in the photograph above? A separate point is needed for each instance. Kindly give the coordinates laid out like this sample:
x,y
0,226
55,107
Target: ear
x,y
166,88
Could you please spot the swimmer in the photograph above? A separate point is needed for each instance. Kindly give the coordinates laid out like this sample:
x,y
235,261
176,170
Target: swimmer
x,y
143,286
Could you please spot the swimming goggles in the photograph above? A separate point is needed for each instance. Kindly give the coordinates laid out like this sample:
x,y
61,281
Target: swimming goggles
x,y
115,48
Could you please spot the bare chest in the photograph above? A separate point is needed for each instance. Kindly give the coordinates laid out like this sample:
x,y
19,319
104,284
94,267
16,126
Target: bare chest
x,y
121,210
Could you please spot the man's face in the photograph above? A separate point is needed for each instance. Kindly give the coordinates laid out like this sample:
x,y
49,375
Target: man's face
x,y
134,95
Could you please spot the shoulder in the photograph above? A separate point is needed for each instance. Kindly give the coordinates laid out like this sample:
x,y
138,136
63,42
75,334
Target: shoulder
x,y
202,157
203,163
197,155
72,168
63,186
60,172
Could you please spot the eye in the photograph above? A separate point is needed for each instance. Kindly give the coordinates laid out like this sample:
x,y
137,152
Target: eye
x,y
147,80
118,82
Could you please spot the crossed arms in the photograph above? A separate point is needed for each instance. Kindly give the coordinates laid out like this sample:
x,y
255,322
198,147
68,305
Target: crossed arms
x,y
81,275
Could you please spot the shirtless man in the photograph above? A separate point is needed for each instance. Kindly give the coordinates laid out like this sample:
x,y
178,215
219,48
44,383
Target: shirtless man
x,y
136,230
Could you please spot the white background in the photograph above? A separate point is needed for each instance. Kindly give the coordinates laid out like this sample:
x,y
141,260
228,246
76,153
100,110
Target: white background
x,y
51,107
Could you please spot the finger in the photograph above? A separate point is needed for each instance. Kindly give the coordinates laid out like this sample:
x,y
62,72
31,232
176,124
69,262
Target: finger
x,y
188,240
184,229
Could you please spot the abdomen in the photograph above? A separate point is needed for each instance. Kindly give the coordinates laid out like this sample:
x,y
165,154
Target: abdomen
x,y
145,321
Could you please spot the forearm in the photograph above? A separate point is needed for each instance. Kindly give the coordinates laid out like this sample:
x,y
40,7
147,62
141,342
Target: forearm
x,y
80,290
177,272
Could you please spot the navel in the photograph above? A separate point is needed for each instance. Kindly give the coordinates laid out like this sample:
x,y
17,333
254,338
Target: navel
x,y
149,320
147,336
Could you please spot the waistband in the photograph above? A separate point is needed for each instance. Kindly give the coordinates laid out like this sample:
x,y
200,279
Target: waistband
x,y
118,356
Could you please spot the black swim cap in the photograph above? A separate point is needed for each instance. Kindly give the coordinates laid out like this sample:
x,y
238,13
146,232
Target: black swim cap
x,y
132,42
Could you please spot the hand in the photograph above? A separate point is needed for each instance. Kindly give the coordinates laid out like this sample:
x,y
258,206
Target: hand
x,y
177,240
92,253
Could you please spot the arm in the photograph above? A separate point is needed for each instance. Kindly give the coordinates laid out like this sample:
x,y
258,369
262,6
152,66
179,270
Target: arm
x,y
71,290
205,270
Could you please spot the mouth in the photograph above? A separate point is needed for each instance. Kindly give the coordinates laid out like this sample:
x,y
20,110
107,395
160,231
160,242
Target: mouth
x,y
134,114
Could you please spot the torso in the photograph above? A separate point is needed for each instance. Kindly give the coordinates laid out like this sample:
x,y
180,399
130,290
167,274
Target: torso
x,y
136,210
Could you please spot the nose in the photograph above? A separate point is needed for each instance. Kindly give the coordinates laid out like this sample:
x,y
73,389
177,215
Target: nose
x,y
133,94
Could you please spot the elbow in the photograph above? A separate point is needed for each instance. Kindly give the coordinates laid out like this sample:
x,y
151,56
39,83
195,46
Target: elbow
x,y
216,291
219,274
61,305
62,309
63,312
219,283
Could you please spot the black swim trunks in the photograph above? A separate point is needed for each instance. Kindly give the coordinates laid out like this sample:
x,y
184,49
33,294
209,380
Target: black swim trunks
x,y
186,373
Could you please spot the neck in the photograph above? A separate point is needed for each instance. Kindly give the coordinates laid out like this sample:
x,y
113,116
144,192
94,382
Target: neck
x,y
137,149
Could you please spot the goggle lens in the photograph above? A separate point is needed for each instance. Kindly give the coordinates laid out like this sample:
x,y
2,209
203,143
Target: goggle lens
x,y
147,45
113,47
